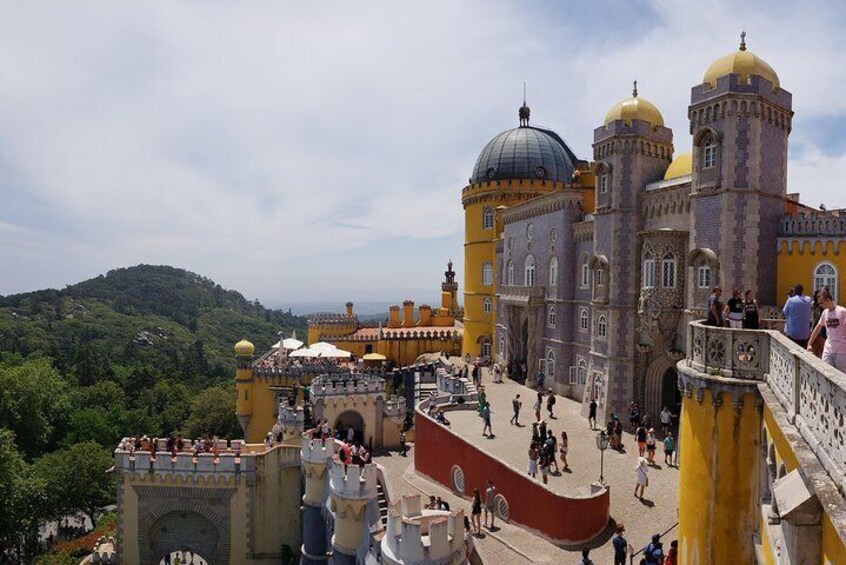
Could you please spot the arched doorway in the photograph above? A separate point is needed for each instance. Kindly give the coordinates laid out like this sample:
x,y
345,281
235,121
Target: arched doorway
x,y
670,395
347,419
661,389
180,532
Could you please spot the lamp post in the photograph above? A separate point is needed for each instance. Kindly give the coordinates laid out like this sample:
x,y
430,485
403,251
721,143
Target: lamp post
x,y
602,444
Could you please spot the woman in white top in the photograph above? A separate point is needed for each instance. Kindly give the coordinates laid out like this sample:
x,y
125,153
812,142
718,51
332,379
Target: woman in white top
x,y
641,477
833,319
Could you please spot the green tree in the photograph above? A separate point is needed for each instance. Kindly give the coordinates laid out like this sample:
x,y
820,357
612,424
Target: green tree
x,y
23,501
76,479
91,424
213,413
33,403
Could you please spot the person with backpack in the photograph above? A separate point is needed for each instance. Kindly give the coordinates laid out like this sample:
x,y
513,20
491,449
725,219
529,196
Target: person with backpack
x,y
653,554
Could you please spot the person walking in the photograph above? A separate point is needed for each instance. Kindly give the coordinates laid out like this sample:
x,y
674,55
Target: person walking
x,y
476,511
669,448
585,560
486,416
751,318
715,308
653,554
651,444
592,413
403,446
797,314
673,555
622,548
640,437
532,469
538,405
550,402
563,449
551,446
833,319
540,378
490,495
641,477
516,404
734,310
634,415
666,419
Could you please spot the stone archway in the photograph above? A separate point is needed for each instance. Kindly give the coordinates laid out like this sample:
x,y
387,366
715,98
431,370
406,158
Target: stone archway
x,y
352,418
660,387
180,531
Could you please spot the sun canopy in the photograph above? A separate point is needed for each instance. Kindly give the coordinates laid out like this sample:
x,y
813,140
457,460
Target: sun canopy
x,y
304,353
374,357
291,343
322,347
336,354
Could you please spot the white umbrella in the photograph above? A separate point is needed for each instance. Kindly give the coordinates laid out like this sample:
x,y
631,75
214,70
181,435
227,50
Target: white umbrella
x,y
291,343
322,347
304,353
336,354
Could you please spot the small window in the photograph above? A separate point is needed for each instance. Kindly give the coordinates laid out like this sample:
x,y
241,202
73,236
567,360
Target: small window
x,y
649,273
585,282
703,277
553,235
584,320
550,317
510,273
502,344
487,274
487,305
510,243
582,371
487,218
709,155
600,277
530,231
602,327
553,272
530,271
825,275
668,273
486,348
603,183
550,364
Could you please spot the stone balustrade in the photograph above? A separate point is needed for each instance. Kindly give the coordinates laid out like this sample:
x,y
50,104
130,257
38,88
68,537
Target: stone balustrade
x,y
812,392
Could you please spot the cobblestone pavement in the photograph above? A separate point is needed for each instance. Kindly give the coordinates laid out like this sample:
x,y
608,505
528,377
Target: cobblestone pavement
x,y
656,513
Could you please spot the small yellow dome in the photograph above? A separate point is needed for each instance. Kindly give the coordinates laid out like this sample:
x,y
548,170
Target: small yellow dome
x,y
244,347
742,63
635,108
681,166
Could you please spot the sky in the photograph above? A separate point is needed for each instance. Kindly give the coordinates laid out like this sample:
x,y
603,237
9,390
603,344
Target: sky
x,y
316,151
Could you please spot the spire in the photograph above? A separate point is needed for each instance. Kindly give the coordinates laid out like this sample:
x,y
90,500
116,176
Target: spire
x,y
524,111
743,41
634,89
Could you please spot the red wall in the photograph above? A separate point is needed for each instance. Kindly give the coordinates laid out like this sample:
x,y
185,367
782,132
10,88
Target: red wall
x,y
559,518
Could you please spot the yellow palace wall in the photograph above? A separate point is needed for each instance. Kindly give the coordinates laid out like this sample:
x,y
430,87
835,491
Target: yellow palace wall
x,y
798,257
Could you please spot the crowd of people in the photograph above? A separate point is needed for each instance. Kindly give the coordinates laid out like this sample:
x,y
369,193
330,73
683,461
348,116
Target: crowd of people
x,y
174,445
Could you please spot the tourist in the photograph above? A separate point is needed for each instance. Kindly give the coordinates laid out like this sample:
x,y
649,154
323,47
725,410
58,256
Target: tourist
x,y
497,373
483,400
641,477
651,445
666,419
634,415
490,495
751,319
797,314
669,448
532,469
817,344
585,560
640,438
550,402
551,446
618,433
622,549
516,404
592,413
268,440
562,450
476,511
486,416
403,446
442,504
715,308
440,416
833,319
542,431
325,431
734,310
539,380
535,434
673,555
654,552
477,375
544,465
469,547
350,433
538,404
432,504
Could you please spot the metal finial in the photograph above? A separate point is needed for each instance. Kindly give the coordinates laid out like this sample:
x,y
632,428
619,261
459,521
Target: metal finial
x,y
634,90
524,93
743,41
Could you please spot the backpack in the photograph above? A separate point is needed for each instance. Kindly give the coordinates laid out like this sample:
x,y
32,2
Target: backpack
x,y
648,555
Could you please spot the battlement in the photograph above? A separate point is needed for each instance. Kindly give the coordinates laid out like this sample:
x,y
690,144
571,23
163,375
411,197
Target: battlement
x,y
186,465
818,224
352,482
305,370
291,419
332,319
350,383
317,450
104,551
394,408
416,535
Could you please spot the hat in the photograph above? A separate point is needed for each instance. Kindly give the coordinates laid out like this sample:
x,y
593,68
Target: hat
x,y
656,538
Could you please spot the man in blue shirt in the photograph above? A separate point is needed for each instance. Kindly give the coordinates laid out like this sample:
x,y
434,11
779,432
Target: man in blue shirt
x,y
797,313
621,546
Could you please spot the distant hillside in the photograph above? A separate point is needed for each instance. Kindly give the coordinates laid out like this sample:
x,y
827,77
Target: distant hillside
x,y
168,319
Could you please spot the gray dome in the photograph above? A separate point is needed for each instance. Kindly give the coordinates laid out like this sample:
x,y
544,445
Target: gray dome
x,y
525,153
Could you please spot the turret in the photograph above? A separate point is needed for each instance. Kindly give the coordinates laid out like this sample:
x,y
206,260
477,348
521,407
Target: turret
x,y
314,457
416,535
244,351
351,487
349,309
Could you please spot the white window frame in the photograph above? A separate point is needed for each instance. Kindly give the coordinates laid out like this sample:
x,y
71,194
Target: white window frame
x,y
668,273
649,273
829,279
487,305
584,320
553,272
582,367
550,364
487,274
529,271
601,326
487,218
485,348
585,282
550,316
510,273
603,183
703,276
709,155
599,277
574,376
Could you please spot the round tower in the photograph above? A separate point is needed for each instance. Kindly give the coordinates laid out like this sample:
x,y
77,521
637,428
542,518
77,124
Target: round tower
x,y
418,535
351,488
314,457
516,165
244,351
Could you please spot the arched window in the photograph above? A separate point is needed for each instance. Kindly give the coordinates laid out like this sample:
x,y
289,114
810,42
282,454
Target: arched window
x,y
550,317
602,326
487,218
487,306
584,281
530,271
709,154
502,345
599,277
649,273
703,276
668,272
485,350
550,364
584,321
825,275
582,371
553,272
509,277
604,181
487,274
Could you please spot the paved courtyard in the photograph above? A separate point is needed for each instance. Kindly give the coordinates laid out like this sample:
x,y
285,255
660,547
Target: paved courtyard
x,y
656,513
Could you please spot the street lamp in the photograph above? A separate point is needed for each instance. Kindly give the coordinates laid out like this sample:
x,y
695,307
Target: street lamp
x,y
602,444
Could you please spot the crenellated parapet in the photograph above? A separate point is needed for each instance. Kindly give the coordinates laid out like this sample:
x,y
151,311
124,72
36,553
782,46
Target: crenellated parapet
x,y
395,408
347,384
352,482
290,420
416,535
317,450
185,467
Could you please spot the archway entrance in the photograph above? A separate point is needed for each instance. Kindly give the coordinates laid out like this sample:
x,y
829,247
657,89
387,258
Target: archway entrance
x,y
181,533
661,389
350,419
670,395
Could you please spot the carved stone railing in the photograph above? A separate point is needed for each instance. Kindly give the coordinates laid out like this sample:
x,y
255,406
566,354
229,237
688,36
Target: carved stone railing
x,y
522,295
739,354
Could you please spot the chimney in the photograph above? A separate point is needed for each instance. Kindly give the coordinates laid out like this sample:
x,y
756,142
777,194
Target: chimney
x,y
393,317
408,314
425,315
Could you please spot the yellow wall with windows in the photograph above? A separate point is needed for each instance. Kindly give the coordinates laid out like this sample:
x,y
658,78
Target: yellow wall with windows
x,y
799,257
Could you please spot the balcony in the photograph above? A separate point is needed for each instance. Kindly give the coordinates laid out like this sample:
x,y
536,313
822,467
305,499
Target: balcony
x,y
522,295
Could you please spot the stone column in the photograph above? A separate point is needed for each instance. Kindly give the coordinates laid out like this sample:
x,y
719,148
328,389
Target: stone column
x,y
313,460
351,488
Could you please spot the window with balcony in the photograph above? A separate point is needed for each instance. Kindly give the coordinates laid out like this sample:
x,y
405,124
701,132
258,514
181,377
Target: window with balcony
x,y
649,273
529,271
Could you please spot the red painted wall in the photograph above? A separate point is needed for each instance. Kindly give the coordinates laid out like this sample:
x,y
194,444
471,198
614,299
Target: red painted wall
x,y
559,518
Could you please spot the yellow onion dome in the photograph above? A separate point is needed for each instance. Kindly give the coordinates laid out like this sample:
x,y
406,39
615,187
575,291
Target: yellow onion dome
x,y
742,63
244,347
681,166
635,108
